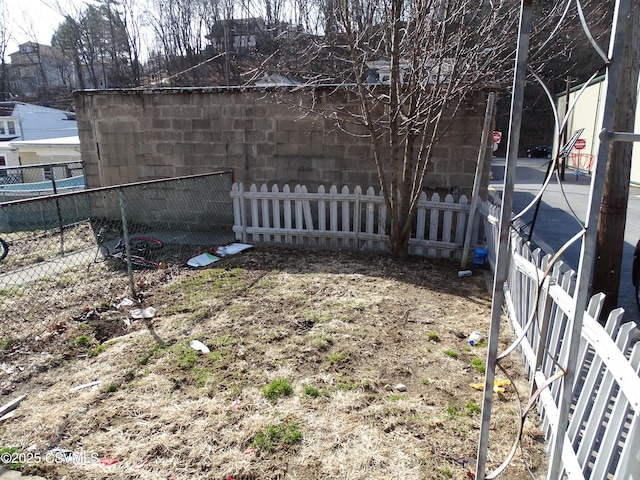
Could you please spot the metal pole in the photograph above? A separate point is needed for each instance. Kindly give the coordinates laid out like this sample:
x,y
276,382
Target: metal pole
x,y
587,253
125,237
488,116
58,211
502,260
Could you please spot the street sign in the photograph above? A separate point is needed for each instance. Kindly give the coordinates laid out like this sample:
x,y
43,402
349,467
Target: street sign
x,y
497,136
580,144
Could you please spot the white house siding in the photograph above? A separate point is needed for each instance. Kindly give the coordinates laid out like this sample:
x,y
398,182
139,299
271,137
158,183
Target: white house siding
x,y
586,114
10,154
51,150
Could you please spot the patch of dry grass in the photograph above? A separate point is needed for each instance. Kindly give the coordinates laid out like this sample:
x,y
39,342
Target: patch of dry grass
x,y
341,330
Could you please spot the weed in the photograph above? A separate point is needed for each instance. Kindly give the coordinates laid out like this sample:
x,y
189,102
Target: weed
x,y
274,436
6,344
322,342
82,341
222,341
317,316
12,291
280,387
94,352
450,353
452,411
347,384
64,280
9,452
313,392
473,408
425,381
395,397
144,359
310,391
187,356
479,365
337,358
433,337
446,471
216,282
202,376
110,388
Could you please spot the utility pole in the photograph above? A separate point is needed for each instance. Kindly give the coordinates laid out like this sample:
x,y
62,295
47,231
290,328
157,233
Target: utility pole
x,y
613,209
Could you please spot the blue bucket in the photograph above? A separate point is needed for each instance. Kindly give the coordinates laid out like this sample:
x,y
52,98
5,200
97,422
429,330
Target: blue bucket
x,y
480,257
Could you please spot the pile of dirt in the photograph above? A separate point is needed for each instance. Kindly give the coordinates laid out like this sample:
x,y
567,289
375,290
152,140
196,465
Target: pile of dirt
x,y
319,365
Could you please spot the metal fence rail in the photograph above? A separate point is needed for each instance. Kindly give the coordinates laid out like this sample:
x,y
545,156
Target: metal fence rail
x,y
50,235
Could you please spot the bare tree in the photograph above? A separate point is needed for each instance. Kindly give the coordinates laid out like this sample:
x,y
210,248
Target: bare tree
x,y
180,27
132,24
429,57
4,41
95,39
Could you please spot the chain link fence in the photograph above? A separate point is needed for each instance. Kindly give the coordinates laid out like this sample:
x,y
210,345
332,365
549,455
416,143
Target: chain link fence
x,y
154,224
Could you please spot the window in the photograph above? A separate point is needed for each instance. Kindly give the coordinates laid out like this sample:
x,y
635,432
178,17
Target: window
x,y
3,161
2,132
47,170
12,127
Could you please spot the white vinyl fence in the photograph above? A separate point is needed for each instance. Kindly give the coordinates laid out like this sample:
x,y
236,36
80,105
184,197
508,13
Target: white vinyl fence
x,y
345,219
603,436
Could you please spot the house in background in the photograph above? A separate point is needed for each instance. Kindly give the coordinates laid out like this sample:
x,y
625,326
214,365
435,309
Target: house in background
x,y
8,156
25,121
32,138
236,35
48,150
37,70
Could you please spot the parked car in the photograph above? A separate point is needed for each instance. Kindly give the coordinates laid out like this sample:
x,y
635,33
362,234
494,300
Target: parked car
x,y
541,151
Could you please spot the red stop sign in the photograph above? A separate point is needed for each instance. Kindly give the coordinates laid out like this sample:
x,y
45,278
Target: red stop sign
x,y
580,144
497,136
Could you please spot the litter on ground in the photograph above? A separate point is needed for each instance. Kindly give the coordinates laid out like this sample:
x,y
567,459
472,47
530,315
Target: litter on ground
x,y
198,345
86,385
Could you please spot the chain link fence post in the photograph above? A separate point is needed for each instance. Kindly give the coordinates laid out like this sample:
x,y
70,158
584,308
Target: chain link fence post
x,y
125,237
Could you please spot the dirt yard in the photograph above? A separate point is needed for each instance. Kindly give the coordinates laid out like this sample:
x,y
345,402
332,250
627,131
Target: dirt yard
x,y
321,365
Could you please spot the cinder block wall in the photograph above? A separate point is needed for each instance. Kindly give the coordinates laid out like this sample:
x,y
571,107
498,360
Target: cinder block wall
x,y
265,136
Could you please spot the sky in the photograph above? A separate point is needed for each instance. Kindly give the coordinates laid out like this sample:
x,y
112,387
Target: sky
x,y
33,18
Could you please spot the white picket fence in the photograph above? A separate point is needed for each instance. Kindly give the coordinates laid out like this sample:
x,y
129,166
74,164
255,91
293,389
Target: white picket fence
x,y
345,219
603,436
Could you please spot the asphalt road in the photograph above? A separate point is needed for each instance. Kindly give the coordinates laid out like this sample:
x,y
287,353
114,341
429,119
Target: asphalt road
x,y
562,212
